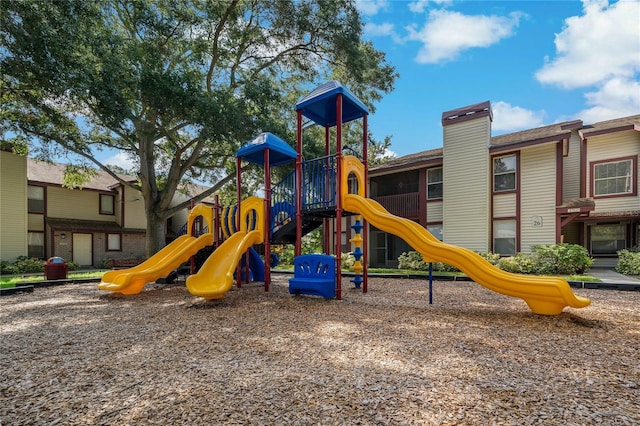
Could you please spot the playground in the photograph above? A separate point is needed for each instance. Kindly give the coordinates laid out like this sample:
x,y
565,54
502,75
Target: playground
x,y
73,354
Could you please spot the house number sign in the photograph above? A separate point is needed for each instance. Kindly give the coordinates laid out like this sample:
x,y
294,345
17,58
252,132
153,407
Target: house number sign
x,y
536,221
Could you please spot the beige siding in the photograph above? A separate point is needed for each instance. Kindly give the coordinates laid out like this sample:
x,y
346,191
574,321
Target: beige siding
x,y
36,222
607,147
134,215
571,169
466,183
434,211
504,205
13,206
75,204
538,196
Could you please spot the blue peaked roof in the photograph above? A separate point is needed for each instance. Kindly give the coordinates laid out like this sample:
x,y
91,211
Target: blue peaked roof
x,y
280,152
320,105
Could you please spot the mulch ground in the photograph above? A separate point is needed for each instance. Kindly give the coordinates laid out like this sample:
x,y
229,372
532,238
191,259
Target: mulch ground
x,y
73,354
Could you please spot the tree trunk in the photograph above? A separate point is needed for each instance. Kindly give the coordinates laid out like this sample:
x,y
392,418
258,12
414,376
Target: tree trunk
x,y
155,233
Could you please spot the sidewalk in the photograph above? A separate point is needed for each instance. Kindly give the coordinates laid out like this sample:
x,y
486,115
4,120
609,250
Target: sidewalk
x,y
612,280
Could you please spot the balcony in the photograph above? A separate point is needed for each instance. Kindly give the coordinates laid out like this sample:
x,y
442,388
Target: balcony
x,y
403,205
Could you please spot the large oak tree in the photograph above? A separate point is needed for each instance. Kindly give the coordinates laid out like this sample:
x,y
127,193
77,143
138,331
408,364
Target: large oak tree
x,y
177,85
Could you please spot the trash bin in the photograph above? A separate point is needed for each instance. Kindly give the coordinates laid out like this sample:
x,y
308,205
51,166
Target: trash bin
x,y
56,269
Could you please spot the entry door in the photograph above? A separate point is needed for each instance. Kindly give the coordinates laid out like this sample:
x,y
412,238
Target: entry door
x,y
82,249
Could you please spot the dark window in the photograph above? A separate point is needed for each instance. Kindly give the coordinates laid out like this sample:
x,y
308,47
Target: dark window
x,y
36,244
608,239
613,178
434,183
504,237
504,173
107,204
398,183
35,199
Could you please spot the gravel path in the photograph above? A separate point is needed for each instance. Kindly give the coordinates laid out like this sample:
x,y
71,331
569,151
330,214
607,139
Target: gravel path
x,y
76,355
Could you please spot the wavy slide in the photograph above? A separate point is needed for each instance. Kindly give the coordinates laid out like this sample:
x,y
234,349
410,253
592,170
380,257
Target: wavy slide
x,y
132,280
215,277
544,295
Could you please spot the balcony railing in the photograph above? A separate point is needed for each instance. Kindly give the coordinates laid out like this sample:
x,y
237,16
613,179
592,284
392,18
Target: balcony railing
x,y
403,205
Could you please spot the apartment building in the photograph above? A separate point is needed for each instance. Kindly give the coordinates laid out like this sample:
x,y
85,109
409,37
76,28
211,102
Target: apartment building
x,y
567,182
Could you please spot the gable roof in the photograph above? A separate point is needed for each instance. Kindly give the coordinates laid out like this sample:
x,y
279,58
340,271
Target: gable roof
x,y
53,173
611,126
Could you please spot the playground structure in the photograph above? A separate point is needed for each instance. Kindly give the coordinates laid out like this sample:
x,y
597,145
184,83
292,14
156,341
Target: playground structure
x,y
317,192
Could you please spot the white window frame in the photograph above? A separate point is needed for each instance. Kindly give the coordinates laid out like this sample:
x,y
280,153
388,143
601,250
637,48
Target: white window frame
x,y
629,178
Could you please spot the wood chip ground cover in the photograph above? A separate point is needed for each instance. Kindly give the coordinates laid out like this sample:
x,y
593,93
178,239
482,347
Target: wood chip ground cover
x,y
76,355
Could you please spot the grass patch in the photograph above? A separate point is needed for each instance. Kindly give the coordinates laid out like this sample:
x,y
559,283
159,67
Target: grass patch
x,y
11,280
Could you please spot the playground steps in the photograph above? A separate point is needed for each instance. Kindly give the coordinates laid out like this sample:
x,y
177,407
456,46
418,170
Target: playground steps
x,y
286,234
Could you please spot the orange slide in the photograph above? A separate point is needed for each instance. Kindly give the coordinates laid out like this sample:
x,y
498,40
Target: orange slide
x,y
544,295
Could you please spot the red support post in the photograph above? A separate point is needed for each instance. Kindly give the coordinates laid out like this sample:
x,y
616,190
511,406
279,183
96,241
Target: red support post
x,y
237,218
338,196
267,221
326,235
365,227
298,189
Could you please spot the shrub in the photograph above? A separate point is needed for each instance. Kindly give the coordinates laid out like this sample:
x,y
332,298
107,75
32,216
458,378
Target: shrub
x,y
26,264
519,264
6,268
413,261
347,260
561,259
628,262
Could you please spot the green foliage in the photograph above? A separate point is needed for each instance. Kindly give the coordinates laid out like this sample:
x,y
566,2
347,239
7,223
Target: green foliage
x,y
347,261
561,259
557,259
22,265
414,261
178,86
518,264
629,262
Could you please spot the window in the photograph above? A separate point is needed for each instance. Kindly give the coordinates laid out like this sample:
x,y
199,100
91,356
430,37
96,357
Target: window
x,y
114,242
35,195
504,173
608,239
434,183
614,177
107,204
435,230
36,244
504,237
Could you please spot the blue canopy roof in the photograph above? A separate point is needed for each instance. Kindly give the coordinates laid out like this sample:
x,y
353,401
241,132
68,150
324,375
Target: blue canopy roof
x,y
280,152
320,105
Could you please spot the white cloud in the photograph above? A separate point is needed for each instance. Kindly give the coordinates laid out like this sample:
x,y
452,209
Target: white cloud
x,y
371,7
599,45
509,118
600,51
120,159
616,98
372,30
446,33
420,6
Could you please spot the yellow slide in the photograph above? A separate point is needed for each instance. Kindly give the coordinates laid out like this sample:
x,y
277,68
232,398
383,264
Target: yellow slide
x,y
132,280
544,295
215,277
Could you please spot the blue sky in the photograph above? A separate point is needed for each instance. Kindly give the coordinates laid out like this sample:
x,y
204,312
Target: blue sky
x,y
538,62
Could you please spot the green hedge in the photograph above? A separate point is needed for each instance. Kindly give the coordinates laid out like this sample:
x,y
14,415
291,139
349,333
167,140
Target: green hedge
x,y
629,261
557,259
26,265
